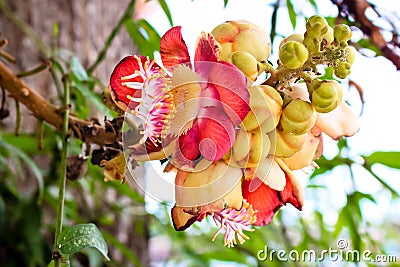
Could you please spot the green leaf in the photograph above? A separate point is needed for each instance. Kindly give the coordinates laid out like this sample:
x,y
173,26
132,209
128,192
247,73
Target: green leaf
x,y
388,158
314,4
325,165
78,69
91,96
366,43
144,36
274,16
17,153
125,251
328,75
292,13
152,35
78,237
225,3
165,8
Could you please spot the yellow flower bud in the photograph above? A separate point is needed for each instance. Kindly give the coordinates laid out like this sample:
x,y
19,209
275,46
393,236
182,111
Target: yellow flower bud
x,y
317,26
351,54
325,95
342,33
242,36
246,63
342,70
293,54
297,117
328,36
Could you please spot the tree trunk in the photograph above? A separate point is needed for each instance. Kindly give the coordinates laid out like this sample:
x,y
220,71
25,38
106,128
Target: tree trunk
x,y
83,25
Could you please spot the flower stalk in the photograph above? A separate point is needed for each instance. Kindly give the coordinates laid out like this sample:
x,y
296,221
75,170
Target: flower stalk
x,y
63,176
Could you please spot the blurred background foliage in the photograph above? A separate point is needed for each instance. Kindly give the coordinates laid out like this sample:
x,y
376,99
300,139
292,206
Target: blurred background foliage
x,y
140,234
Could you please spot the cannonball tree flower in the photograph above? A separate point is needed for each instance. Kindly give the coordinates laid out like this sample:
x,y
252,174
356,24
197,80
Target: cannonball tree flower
x,y
217,192
199,103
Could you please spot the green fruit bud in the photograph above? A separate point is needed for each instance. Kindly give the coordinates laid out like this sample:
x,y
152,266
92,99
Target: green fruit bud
x,y
312,44
350,54
317,26
325,95
297,117
246,63
342,70
342,33
293,54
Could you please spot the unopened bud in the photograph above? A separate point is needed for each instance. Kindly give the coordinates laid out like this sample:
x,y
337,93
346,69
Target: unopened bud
x,y
297,117
342,70
342,33
317,26
242,36
293,54
246,63
325,96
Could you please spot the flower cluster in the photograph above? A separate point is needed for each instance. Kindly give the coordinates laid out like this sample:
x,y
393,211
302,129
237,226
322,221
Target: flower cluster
x,y
232,138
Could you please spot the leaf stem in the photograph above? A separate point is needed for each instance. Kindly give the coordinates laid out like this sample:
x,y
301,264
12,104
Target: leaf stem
x,y
63,172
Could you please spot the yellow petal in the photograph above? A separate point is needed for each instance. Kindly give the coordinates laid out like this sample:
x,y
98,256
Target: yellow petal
x,y
218,185
271,174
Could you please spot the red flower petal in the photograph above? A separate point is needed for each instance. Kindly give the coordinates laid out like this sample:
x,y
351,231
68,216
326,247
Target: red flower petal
x,y
288,196
232,88
126,67
263,199
188,144
206,50
266,200
173,48
216,133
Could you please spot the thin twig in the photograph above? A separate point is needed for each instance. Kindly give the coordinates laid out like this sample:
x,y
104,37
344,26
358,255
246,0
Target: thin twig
x,y
25,28
40,134
35,70
63,172
17,117
88,131
102,54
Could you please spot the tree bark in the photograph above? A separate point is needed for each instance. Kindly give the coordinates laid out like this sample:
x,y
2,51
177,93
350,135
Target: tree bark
x,y
83,25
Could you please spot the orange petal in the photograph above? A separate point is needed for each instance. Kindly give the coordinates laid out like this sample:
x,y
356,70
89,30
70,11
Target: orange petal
x,y
310,151
181,219
339,122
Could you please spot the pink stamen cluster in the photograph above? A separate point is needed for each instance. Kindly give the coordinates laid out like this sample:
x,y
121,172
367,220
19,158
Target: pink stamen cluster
x,y
156,101
234,222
